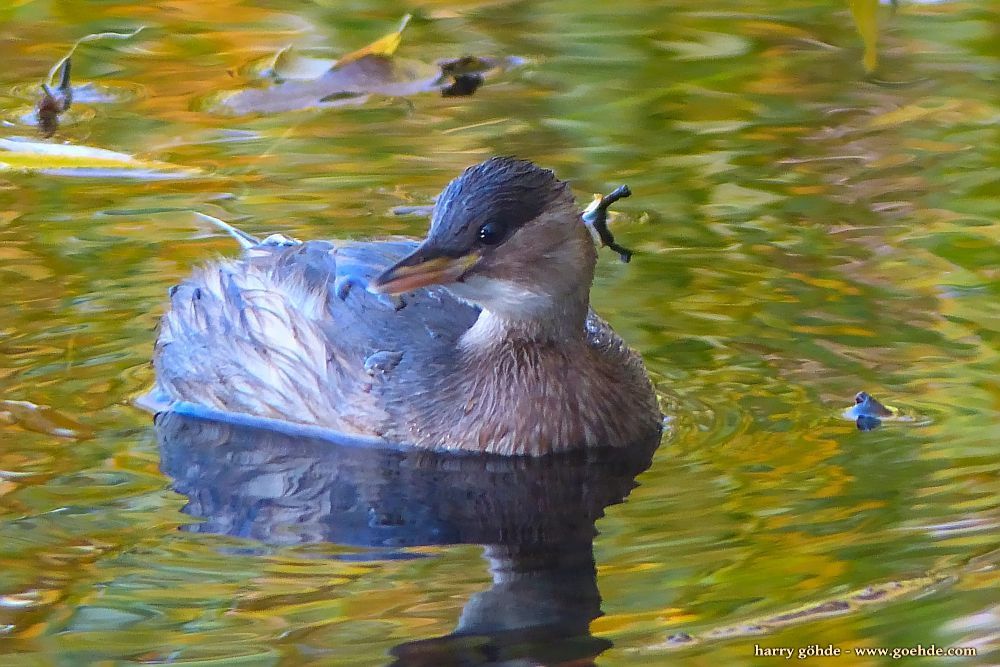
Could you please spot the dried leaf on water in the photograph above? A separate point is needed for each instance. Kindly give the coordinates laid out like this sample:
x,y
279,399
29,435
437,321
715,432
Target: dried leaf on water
x,y
301,81
289,64
383,47
71,160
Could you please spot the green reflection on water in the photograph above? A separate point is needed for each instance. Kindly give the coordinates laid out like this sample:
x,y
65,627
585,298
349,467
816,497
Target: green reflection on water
x,y
803,232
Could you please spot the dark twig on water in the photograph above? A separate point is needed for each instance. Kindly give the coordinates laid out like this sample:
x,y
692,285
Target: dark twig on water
x,y
65,87
596,215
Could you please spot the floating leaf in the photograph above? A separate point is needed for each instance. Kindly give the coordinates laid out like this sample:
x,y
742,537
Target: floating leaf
x,y
304,82
70,160
383,46
290,64
865,14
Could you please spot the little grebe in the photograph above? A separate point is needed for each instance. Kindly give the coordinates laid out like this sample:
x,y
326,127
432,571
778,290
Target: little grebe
x,y
488,346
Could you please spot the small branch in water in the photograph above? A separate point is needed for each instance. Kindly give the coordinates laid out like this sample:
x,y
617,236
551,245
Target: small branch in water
x,y
596,216
65,87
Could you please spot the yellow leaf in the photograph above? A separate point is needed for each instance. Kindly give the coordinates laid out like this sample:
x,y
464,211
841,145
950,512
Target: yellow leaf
x,y
865,14
71,160
383,46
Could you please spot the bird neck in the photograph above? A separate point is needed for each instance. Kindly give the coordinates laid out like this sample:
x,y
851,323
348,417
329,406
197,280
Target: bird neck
x,y
562,321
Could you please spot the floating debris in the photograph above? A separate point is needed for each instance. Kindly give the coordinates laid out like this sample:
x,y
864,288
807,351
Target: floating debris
x,y
18,154
47,112
596,217
56,98
463,85
52,104
42,419
294,80
868,406
420,209
868,412
471,65
468,73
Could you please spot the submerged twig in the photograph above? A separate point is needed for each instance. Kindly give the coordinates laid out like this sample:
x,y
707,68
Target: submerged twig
x,y
596,215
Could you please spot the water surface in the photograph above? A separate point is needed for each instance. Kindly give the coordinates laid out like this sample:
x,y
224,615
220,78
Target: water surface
x,y
803,231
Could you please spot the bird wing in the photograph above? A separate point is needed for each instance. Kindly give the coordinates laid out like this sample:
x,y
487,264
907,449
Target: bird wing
x,y
290,332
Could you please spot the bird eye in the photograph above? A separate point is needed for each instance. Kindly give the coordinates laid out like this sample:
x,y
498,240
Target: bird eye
x,y
492,233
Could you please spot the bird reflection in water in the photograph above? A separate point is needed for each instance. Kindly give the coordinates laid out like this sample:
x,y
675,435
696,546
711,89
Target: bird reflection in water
x,y
534,516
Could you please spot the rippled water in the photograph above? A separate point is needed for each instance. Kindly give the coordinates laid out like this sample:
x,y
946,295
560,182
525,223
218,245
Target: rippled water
x,y
803,232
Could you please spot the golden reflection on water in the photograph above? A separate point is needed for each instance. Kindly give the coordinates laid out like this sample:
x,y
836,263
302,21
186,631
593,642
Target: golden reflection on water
x,y
804,231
